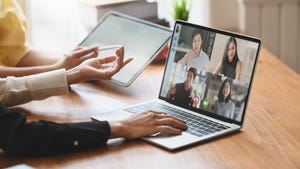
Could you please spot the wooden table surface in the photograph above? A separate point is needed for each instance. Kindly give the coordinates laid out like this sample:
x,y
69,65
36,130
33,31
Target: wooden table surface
x,y
270,137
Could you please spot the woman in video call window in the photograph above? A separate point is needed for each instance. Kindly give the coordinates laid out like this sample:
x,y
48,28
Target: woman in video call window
x,y
224,106
196,58
183,93
230,65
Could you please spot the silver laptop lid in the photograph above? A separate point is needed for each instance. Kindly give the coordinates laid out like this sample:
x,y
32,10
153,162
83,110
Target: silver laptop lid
x,y
210,71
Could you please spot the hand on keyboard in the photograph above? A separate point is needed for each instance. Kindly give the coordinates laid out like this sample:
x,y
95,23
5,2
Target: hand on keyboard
x,y
145,124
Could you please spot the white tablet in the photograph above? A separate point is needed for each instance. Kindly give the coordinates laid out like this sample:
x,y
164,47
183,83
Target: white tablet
x,y
141,39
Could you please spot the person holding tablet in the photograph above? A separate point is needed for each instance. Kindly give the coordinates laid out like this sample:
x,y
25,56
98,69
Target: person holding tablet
x,y
17,58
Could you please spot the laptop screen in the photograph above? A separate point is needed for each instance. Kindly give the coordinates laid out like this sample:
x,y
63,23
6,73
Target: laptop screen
x,y
210,71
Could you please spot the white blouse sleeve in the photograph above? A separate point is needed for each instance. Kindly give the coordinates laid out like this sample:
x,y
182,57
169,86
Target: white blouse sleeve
x,y
19,90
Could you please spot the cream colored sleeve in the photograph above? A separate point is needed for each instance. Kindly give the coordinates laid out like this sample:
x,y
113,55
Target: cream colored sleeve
x,y
19,90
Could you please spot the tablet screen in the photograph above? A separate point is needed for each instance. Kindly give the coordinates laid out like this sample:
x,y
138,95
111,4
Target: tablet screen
x,y
142,40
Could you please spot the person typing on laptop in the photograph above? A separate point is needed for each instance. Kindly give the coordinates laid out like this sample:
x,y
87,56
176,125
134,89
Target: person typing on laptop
x,y
206,118
21,138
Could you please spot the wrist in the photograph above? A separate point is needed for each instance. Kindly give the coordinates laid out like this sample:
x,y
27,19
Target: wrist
x,y
47,68
73,76
116,129
56,65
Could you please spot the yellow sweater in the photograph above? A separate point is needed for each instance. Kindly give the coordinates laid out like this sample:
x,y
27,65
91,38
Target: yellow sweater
x,y
13,33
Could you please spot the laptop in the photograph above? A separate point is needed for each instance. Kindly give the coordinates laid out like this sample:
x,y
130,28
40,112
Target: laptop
x,y
206,82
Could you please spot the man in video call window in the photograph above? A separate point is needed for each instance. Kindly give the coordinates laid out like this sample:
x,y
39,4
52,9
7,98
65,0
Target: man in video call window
x,y
183,93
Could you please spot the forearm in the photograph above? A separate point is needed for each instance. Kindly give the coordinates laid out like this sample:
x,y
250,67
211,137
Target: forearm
x,y
182,61
19,138
168,94
24,71
14,91
238,70
38,58
32,63
218,69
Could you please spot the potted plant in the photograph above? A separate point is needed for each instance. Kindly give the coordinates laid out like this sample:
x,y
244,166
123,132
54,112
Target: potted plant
x,y
181,10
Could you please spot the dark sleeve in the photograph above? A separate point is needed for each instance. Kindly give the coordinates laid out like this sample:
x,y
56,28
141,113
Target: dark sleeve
x,y
40,138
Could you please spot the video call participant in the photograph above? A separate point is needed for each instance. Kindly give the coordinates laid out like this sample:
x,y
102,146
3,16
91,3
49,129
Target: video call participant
x,y
183,93
196,58
224,106
230,65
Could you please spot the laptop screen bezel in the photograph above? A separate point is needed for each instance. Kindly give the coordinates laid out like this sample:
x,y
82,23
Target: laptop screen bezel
x,y
223,32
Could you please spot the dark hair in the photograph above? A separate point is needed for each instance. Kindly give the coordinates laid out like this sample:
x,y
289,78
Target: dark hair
x,y
196,32
193,70
225,55
220,95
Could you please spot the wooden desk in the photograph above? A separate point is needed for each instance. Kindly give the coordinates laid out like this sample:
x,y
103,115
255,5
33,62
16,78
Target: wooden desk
x,y
270,137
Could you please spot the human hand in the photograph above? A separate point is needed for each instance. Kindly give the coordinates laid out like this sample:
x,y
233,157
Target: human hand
x,y
222,75
146,124
193,53
171,91
192,94
76,57
98,68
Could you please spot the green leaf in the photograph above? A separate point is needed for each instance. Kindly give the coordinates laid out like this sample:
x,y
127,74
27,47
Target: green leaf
x,y
180,10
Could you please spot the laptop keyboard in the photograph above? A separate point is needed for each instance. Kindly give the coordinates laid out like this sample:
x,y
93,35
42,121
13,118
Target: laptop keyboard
x,y
197,125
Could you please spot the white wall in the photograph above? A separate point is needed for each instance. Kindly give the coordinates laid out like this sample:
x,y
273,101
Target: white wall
x,y
198,10
54,24
277,23
224,14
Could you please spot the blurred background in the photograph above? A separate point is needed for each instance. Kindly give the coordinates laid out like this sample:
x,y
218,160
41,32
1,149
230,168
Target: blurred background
x,y
60,25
